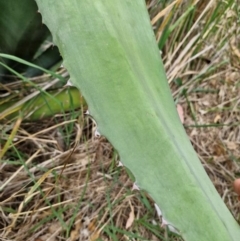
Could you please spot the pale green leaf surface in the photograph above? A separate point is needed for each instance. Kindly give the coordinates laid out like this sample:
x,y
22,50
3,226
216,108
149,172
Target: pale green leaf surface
x,y
110,52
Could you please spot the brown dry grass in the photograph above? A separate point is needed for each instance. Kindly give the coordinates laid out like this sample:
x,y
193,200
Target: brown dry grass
x,y
84,182
76,188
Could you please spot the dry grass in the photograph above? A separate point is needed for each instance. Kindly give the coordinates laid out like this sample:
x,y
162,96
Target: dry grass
x,y
53,189
60,191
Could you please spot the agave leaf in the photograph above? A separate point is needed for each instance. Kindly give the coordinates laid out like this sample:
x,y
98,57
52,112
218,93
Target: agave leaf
x,y
111,54
22,33
48,59
42,105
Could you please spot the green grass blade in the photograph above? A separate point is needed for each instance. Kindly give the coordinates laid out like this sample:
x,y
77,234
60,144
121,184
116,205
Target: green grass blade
x,y
111,54
22,61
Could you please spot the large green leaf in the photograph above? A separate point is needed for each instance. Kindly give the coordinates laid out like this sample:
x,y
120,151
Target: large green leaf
x,y
110,52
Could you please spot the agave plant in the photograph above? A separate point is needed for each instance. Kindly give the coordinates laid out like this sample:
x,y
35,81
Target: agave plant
x,y
111,54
